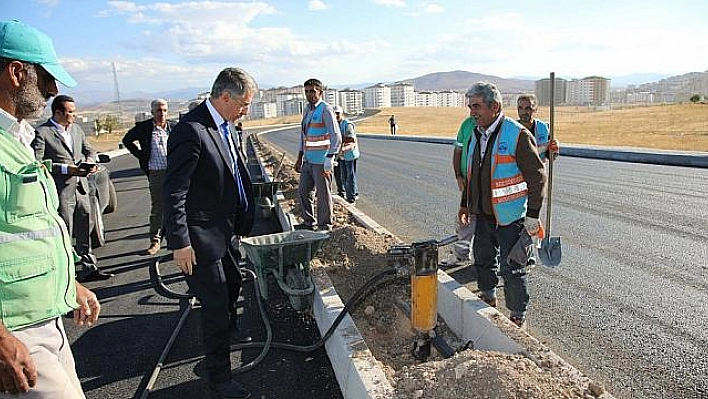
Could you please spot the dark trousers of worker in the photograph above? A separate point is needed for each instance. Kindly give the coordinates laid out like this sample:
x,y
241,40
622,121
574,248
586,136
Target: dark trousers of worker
x,y
339,177
156,181
313,182
491,247
216,284
349,176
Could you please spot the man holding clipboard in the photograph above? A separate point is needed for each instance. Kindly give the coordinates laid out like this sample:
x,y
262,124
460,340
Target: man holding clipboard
x,y
64,143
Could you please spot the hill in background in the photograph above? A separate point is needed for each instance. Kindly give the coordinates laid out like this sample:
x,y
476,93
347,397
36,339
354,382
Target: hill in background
x,y
460,81
693,82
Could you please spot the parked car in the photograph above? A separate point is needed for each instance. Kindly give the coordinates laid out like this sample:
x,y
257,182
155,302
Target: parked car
x,y
104,200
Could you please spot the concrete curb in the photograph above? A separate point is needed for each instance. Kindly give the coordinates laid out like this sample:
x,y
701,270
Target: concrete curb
x,y
694,159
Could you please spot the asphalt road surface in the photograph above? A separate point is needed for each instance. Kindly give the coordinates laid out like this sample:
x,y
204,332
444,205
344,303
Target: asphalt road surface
x,y
629,304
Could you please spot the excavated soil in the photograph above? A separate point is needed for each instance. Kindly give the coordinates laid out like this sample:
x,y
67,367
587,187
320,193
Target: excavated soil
x,y
353,255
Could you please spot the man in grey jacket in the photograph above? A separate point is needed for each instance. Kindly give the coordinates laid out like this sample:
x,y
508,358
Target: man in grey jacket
x,y
63,142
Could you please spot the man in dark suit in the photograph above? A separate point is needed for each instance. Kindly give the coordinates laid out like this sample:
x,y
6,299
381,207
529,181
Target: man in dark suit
x,y
207,201
151,136
63,142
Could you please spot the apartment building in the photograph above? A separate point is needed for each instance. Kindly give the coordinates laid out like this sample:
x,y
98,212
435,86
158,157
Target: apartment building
x,y
402,94
377,96
543,91
331,97
450,99
426,99
352,101
263,110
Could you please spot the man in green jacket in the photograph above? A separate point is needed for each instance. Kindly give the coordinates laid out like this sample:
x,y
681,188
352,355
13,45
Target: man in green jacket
x,y
37,284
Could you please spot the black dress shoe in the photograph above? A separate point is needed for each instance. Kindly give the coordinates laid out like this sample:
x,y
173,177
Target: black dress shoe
x,y
229,390
95,275
239,337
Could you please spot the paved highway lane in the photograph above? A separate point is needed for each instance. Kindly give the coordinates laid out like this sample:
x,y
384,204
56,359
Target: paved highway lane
x,y
629,304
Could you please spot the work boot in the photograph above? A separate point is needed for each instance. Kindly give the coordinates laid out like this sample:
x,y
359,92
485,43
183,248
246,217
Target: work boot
x,y
519,321
489,301
153,248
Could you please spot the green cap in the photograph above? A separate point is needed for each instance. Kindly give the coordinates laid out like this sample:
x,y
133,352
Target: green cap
x,y
24,43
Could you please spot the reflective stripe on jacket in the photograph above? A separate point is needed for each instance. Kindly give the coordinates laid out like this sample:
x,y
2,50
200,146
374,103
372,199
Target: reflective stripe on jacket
x,y
508,187
316,137
36,257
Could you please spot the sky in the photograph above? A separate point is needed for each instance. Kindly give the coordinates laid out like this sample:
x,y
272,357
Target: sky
x,y
168,45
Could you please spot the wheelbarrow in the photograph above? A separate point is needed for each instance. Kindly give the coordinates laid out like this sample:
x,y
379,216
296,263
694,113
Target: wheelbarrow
x,y
287,256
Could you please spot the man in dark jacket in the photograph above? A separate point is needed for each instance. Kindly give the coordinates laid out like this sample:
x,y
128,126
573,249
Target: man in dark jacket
x,y
208,200
504,193
151,136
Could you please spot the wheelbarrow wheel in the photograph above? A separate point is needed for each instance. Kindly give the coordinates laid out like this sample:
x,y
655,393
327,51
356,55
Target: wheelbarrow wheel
x,y
297,280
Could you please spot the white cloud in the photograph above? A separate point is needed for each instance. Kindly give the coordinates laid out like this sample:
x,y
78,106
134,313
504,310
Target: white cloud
x,y
316,5
48,3
432,8
390,3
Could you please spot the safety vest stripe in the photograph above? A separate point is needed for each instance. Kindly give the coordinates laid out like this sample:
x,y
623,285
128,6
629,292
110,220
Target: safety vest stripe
x,y
320,125
28,235
317,147
505,159
509,190
509,198
312,144
317,138
507,181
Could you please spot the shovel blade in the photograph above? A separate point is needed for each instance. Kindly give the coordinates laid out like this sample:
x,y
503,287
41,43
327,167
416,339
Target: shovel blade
x,y
550,252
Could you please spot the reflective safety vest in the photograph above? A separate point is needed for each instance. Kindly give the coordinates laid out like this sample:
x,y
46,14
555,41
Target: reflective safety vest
x,y
36,257
352,154
542,136
509,189
316,136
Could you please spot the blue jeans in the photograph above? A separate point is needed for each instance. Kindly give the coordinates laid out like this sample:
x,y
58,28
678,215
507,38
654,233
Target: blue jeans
x,y
491,247
349,179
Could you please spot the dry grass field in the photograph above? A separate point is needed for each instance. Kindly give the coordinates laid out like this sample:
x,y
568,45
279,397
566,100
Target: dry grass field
x,y
682,127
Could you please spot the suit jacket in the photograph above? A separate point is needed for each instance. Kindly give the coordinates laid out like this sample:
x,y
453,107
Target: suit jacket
x,y
201,199
49,144
142,133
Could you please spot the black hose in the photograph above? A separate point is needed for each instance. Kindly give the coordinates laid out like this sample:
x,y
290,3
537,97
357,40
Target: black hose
x,y
163,290
351,303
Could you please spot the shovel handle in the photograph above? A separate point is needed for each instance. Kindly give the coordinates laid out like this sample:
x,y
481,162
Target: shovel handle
x,y
549,192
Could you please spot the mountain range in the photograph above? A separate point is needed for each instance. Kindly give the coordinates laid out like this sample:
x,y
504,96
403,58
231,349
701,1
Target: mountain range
x,y
442,81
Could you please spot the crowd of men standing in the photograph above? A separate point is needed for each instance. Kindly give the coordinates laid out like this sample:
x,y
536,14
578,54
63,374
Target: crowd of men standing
x,y
201,200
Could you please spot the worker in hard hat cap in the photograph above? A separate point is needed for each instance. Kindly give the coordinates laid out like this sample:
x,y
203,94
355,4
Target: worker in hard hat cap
x,y
350,154
35,252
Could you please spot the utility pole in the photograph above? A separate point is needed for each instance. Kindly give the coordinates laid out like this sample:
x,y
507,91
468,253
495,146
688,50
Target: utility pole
x,y
117,91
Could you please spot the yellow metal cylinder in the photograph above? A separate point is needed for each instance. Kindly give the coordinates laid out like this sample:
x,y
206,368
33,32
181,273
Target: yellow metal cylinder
x,y
424,300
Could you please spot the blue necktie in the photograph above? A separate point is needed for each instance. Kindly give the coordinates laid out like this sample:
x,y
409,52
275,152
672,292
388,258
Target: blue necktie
x,y
226,137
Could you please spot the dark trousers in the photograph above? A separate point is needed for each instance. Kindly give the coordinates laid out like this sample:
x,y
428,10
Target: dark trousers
x,y
156,181
338,176
491,247
349,177
217,284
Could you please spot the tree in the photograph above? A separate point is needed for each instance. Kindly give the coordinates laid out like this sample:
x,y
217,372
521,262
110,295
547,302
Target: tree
x,y
696,98
107,123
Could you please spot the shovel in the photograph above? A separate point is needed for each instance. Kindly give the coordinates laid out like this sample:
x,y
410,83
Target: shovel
x,y
550,252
